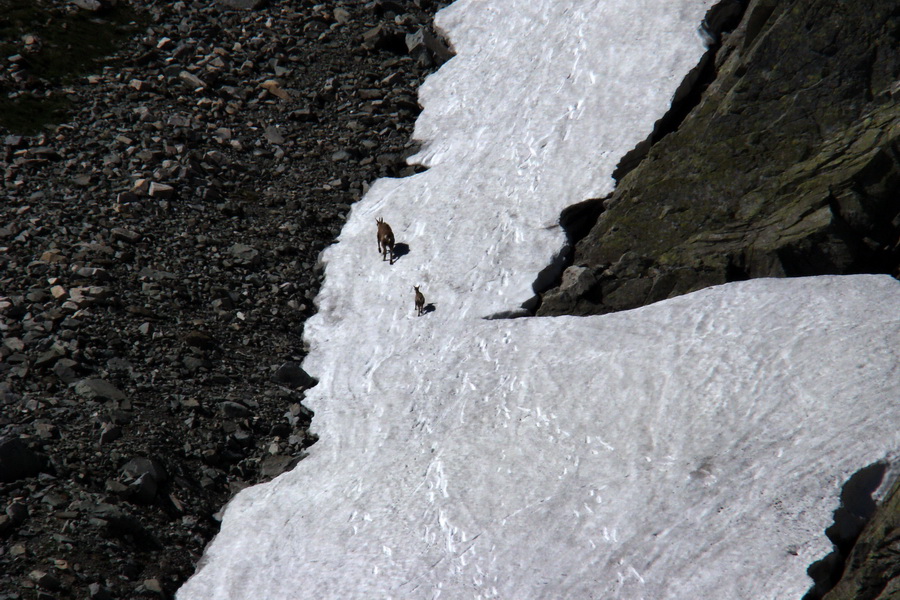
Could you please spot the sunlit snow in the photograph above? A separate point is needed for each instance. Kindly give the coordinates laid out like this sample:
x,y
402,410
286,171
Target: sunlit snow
x,y
695,448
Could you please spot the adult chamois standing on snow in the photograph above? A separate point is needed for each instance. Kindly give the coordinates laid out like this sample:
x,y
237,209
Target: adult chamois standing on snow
x,y
420,302
385,240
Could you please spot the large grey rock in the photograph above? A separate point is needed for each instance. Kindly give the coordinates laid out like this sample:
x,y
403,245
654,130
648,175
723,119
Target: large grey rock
x,y
98,389
788,166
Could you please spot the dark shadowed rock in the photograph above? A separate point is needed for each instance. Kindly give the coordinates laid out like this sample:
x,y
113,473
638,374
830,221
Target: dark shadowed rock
x,y
17,461
234,410
273,466
110,433
98,592
243,4
65,369
144,476
143,489
292,375
385,37
199,339
17,512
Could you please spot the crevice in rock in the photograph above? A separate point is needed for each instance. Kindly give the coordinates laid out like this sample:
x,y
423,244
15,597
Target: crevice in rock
x,y
576,221
756,21
856,508
721,18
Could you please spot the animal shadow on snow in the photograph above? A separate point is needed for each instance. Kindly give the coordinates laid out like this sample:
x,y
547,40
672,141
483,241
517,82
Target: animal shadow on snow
x,y
428,308
400,249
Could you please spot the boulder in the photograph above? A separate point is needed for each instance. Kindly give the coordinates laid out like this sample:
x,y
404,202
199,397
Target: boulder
x,y
292,375
98,389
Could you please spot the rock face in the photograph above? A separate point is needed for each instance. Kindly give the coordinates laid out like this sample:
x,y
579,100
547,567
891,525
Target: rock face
x,y
872,569
789,165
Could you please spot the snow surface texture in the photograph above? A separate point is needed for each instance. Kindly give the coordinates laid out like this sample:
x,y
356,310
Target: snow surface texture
x,y
691,449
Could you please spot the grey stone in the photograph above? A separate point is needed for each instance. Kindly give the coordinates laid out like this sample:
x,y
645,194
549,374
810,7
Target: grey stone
x,y
14,343
244,253
273,135
48,358
5,524
98,389
384,37
162,191
115,487
341,15
196,363
91,5
45,580
126,235
17,512
191,80
64,368
199,339
47,431
56,499
424,40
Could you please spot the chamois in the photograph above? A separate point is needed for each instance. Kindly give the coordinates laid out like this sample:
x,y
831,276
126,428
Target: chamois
x,y
385,240
420,302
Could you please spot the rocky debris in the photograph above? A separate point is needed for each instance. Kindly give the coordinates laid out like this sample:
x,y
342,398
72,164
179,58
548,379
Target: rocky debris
x,y
158,257
788,166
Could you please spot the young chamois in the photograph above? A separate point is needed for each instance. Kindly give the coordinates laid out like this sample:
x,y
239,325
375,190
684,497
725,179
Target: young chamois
x,y
385,240
420,302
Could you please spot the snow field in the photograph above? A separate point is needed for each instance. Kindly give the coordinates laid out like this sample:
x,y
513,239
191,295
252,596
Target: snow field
x,y
694,448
